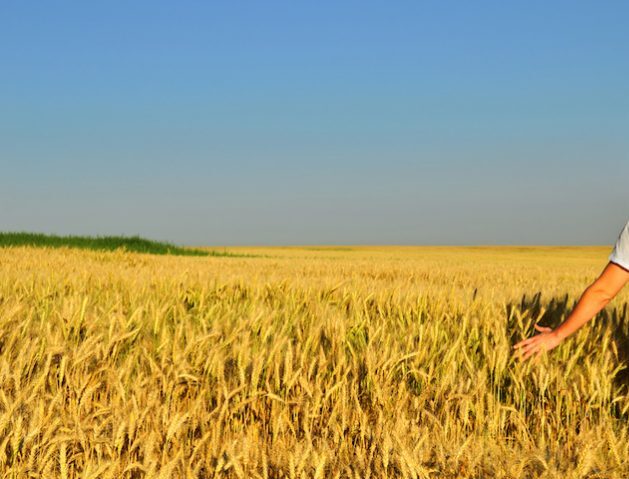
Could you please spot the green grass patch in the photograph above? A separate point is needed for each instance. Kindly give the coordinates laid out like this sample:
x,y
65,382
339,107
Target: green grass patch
x,y
134,244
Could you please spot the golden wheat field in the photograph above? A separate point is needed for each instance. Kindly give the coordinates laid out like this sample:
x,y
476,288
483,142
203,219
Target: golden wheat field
x,y
307,362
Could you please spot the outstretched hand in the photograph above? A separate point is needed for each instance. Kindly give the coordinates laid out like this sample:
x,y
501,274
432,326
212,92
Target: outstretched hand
x,y
538,344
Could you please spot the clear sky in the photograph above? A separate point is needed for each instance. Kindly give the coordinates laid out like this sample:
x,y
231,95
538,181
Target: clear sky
x,y
327,122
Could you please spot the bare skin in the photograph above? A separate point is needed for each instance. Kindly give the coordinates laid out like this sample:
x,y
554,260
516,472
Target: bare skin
x,y
594,298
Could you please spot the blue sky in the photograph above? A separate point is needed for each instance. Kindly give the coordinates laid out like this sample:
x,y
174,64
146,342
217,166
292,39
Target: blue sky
x,y
316,122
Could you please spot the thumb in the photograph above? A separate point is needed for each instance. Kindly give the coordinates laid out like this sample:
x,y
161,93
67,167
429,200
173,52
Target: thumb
x,y
543,329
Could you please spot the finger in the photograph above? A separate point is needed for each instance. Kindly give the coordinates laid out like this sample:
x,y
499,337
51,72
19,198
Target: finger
x,y
524,342
543,329
524,352
526,356
530,352
532,345
521,347
539,349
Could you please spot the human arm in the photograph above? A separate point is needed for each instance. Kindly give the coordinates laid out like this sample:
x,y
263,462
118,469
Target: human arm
x,y
594,298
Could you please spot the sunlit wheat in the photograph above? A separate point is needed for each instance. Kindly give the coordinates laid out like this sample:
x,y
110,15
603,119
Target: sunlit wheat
x,y
307,363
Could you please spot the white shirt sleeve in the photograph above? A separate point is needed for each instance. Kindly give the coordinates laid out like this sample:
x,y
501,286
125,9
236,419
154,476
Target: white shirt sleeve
x,y
620,254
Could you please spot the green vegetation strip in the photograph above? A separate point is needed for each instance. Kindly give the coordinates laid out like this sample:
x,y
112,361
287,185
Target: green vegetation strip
x,y
134,244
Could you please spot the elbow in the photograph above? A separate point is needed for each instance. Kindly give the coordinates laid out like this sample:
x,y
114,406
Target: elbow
x,y
599,294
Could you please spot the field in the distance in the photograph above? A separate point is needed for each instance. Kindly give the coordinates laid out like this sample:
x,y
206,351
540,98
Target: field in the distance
x,y
307,362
